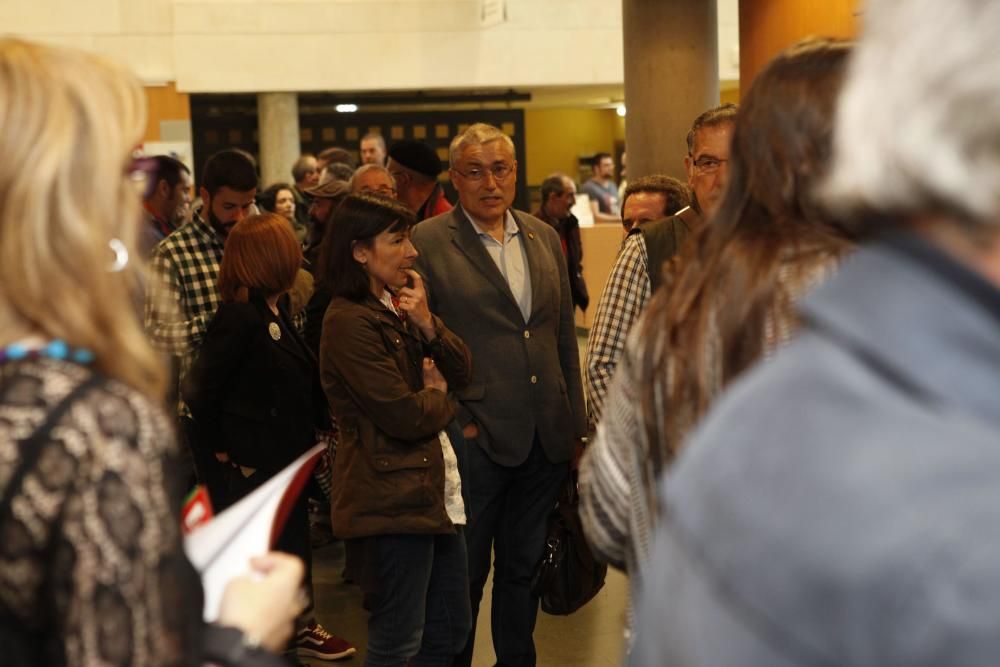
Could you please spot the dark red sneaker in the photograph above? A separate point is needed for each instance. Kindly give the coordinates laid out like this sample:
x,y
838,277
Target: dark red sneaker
x,y
314,641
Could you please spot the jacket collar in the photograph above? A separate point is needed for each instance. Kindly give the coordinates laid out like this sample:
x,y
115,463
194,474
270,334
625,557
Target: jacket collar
x,y
386,315
921,318
259,302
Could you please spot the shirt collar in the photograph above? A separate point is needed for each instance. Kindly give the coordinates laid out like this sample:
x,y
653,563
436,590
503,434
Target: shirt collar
x,y
509,226
386,300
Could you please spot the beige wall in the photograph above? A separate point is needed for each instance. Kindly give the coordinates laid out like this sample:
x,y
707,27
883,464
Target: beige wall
x,y
316,45
303,45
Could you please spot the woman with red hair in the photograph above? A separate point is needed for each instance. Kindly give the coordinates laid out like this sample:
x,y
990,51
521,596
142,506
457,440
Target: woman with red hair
x,y
254,389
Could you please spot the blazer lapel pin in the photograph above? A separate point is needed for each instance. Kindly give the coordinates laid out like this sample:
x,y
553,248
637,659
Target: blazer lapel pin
x,y
274,330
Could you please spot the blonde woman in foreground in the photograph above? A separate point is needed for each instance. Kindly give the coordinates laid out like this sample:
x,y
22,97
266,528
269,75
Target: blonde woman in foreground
x,y
91,566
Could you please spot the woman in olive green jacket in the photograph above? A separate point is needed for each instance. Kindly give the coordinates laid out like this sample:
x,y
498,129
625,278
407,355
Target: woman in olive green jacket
x,y
386,365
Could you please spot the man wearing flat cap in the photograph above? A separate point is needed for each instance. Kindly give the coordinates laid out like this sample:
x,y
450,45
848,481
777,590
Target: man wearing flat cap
x,y
416,166
326,197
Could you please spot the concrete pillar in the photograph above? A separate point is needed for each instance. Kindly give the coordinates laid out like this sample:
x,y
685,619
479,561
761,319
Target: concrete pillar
x,y
671,76
278,131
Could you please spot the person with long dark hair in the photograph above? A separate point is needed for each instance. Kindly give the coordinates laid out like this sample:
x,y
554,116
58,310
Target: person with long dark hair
x,y
387,364
728,300
280,198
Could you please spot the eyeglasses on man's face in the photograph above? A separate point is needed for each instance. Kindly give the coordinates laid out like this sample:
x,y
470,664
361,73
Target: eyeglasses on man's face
x,y
381,190
709,164
500,171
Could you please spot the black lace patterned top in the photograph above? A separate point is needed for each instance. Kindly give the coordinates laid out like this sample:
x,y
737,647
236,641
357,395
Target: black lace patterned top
x,y
91,567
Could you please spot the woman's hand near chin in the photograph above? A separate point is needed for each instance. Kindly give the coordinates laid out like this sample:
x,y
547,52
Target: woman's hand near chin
x,y
413,301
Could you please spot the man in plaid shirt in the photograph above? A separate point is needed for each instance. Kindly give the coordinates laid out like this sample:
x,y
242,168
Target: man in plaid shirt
x,y
182,295
629,286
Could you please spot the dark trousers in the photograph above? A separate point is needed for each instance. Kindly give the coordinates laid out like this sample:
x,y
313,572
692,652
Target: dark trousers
x,y
508,512
209,471
420,606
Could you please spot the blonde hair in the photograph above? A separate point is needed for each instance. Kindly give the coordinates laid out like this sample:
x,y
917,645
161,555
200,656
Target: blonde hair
x,y
68,123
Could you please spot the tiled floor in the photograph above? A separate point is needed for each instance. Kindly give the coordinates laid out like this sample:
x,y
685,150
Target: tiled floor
x,y
589,638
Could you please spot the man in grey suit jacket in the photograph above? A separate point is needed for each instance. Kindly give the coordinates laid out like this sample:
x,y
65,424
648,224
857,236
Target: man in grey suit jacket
x,y
839,505
497,278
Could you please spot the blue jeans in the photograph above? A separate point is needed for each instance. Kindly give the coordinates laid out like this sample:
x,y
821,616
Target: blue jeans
x,y
508,516
420,613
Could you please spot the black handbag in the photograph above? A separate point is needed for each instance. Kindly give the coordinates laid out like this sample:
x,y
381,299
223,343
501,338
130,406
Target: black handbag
x,y
568,576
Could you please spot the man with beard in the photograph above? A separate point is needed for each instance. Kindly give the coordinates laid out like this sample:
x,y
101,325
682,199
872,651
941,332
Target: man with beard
x,y
325,200
166,199
182,293
602,190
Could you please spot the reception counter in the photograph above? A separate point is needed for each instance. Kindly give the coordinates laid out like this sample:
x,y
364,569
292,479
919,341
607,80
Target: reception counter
x,y
601,243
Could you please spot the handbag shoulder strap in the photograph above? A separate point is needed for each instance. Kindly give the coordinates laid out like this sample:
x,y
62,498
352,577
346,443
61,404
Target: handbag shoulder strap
x,y
32,449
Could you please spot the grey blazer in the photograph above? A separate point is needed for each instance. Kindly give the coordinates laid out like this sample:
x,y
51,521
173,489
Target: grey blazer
x,y
839,505
525,375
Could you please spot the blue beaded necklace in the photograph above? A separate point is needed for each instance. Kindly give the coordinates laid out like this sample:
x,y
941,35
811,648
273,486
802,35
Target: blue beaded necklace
x,y
56,349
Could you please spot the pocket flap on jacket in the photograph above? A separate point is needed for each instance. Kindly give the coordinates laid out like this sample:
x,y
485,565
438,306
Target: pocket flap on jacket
x,y
391,456
474,392
389,463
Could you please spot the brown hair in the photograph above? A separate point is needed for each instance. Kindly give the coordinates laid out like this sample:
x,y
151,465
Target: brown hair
x,y
676,195
358,220
261,254
725,282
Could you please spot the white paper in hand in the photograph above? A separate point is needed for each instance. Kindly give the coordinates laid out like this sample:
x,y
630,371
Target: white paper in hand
x,y
222,548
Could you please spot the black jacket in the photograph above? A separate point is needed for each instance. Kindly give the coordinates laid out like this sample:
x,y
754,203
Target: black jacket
x,y
256,398
569,236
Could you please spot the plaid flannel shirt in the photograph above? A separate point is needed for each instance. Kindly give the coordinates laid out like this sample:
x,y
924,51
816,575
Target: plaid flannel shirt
x,y
183,294
624,297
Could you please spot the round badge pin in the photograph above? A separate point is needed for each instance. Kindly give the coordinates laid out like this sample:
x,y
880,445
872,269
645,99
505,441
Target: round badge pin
x,y
274,330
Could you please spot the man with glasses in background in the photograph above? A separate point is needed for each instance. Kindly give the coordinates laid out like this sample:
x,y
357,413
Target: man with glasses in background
x,y
638,269
498,279
373,179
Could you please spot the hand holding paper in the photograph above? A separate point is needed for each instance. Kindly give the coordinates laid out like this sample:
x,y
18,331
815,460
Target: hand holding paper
x,y
264,604
222,549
